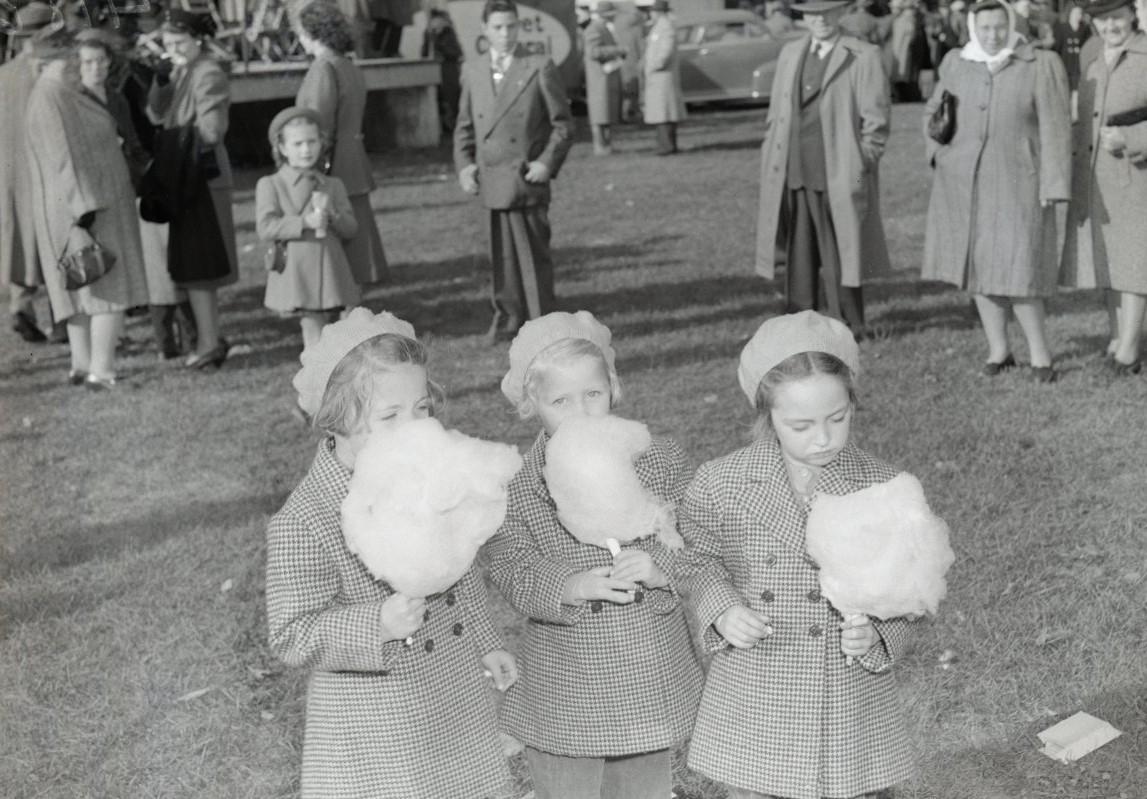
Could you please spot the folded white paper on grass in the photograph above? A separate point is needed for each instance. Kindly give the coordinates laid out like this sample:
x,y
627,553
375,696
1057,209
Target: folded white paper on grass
x,y
1076,736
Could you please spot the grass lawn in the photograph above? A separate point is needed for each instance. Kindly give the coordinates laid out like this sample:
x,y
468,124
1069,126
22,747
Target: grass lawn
x,y
132,653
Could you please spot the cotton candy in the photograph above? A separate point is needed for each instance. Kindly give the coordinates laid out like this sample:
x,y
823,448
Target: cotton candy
x,y
422,500
590,475
881,550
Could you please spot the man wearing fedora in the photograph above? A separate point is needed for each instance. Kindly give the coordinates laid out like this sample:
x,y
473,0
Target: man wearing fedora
x,y
513,133
664,105
19,261
819,201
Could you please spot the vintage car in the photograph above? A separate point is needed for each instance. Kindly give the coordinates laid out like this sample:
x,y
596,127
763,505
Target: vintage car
x,y
726,55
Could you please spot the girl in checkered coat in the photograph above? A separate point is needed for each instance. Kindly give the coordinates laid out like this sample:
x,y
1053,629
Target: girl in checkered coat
x,y
783,713
609,679
397,704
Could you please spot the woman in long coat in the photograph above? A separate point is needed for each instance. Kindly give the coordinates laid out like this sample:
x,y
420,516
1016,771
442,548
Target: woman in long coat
x,y
603,57
199,96
334,88
80,180
991,216
664,106
1106,243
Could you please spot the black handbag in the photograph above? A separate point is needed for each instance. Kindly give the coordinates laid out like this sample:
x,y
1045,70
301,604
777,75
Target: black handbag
x,y
942,124
84,261
275,258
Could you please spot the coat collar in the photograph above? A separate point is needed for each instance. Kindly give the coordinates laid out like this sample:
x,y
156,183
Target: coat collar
x,y
293,176
844,50
533,465
331,477
513,84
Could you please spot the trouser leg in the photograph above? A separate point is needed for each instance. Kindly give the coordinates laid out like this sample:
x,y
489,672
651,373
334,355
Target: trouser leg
x,y
645,776
558,777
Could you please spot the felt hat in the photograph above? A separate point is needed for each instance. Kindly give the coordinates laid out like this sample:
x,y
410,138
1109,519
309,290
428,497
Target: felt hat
x,y
660,5
54,41
605,8
1099,8
100,37
336,340
818,6
791,334
191,22
537,334
286,115
31,18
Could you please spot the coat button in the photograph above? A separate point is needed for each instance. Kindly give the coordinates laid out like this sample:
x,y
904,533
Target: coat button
x,y
451,599
457,628
814,631
767,596
595,606
426,615
638,597
770,559
814,595
429,645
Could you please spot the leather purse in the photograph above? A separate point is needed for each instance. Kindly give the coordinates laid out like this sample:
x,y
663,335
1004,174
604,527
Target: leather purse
x,y
942,123
84,260
275,258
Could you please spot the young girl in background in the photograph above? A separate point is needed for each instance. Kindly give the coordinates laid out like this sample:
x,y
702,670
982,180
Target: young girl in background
x,y
387,717
305,215
609,678
783,714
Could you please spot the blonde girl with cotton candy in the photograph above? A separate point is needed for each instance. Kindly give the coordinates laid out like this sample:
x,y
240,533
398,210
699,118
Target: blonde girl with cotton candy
x,y
784,714
398,706
609,680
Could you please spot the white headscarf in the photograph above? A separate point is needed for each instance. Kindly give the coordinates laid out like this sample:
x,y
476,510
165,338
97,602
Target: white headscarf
x,y
974,51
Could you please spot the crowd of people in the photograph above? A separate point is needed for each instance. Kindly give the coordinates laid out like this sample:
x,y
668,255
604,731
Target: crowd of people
x,y
129,171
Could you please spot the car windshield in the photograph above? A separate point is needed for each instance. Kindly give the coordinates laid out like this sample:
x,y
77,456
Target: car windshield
x,y
713,32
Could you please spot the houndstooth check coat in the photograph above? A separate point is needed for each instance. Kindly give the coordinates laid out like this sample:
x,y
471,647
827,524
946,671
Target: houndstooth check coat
x,y
599,679
787,717
384,720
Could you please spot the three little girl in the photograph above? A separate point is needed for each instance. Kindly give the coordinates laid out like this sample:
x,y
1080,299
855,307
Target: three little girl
x,y
609,678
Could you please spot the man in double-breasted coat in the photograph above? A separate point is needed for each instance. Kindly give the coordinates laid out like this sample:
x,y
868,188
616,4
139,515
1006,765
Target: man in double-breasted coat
x,y
820,201
514,131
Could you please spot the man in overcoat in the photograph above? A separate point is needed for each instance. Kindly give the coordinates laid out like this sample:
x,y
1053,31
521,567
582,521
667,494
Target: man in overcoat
x,y
19,258
604,59
819,200
664,104
513,134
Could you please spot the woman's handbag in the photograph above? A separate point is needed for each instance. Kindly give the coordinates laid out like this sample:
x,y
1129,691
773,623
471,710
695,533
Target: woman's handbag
x,y
84,261
942,124
275,259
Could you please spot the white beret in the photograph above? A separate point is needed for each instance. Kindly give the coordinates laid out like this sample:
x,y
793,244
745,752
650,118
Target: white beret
x,y
784,336
537,334
336,340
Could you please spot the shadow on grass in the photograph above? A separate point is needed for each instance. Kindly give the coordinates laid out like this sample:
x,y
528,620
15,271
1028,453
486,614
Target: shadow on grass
x,y
743,144
106,540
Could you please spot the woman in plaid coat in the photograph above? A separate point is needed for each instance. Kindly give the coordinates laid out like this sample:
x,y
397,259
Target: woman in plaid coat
x,y
783,713
609,679
397,704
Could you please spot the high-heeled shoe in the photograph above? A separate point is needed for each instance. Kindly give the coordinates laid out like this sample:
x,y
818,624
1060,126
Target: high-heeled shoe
x,y
93,383
213,357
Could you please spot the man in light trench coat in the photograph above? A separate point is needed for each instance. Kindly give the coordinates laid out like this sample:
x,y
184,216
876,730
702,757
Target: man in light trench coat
x,y
820,201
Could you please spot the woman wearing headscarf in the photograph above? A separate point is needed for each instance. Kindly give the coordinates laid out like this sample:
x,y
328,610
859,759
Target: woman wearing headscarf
x,y
192,108
333,87
82,190
1106,242
991,218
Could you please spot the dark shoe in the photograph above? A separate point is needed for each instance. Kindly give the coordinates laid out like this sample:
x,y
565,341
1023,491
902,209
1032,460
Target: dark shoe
x,y
76,377
213,357
26,327
94,383
1120,369
1044,374
991,368
59,334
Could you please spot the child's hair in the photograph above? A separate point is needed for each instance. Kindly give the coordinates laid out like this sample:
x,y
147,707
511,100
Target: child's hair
x,y
278,156
561,353
498,6
346,401
796,367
